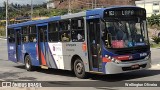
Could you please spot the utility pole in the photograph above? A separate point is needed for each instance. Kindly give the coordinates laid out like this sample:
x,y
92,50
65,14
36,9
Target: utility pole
x,y
31,9
69,6
92,4
6,17
144,3
95,3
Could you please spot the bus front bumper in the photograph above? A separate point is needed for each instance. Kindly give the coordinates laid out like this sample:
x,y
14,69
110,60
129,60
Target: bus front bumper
x,y
114,68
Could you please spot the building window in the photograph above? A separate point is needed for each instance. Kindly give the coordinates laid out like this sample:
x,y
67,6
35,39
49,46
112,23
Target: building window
x,y
155,11
155,3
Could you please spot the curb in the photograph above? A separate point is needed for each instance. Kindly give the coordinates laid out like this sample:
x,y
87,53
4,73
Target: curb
x,y
155,66
3,38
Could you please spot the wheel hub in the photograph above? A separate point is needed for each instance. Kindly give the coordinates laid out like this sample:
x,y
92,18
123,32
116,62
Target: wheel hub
x,y
79,68
27,63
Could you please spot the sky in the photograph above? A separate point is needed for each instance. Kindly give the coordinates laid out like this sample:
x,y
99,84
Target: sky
x,y
23,1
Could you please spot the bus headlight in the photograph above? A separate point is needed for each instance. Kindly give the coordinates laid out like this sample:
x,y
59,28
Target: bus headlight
x,y
117,61
147,57
110,57
106,56
113,60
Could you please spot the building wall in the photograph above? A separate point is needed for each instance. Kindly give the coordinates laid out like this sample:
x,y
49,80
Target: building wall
x,y
151,6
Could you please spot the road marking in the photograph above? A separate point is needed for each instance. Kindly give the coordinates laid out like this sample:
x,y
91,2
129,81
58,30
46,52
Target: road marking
x,y
2,80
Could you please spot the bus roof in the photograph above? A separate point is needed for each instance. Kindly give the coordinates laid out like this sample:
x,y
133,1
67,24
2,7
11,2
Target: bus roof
x,y
92,12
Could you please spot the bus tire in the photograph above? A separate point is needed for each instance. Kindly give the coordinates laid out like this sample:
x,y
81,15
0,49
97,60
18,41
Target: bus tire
x,y
28,64
79,69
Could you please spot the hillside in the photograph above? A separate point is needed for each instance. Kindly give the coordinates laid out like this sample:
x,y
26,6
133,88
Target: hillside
x,y
81,4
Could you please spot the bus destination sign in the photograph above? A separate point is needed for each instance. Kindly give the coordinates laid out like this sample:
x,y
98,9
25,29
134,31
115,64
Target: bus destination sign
x,y
125,13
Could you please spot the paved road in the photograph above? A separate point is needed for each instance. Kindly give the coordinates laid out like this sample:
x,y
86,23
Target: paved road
x,y
15,71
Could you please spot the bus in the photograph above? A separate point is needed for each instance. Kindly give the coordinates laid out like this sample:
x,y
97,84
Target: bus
x,y
104,40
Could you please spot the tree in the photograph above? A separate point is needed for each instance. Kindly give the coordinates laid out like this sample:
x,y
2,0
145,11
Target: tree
x,y
4,4
154,20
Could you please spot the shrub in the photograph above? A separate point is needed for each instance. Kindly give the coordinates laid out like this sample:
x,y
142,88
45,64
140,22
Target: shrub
x,y
156,39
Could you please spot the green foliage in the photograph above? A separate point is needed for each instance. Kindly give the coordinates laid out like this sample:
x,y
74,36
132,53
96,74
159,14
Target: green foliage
x,y
154,20
2,31
156,39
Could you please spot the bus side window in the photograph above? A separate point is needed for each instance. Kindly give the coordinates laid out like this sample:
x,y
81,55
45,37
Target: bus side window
x,y
64,32
32,33
25,31
65,37
78,36
77,25
53,32
11,36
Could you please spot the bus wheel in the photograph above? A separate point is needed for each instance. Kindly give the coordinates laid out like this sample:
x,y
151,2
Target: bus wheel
x,y
28,64
79,69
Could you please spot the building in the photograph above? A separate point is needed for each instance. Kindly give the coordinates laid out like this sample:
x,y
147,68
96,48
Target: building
x,y
151,6
50,4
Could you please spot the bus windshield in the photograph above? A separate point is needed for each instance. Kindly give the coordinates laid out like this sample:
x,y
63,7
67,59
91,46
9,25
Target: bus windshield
x,y
125,33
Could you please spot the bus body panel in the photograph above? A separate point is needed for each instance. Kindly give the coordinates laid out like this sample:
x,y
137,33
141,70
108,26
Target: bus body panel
x,y
70,49
56,56
12,52
126,66
55,18
50,60
76,15
20,54
113,68
30,49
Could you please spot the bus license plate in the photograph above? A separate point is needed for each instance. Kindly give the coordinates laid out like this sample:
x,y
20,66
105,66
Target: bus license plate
x,y
135,66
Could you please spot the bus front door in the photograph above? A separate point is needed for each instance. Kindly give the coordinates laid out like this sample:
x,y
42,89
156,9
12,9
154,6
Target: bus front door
x,y
41,44
18,44
94,44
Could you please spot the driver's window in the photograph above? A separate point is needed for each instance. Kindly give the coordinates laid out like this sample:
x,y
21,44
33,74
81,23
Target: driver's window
x,y
111,30
138,28
106,35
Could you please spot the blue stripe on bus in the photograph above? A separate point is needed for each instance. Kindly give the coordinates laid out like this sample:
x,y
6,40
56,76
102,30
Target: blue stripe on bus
x,y
52,55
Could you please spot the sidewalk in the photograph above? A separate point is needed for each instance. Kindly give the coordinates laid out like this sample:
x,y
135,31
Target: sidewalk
x,y
156,66
3,38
